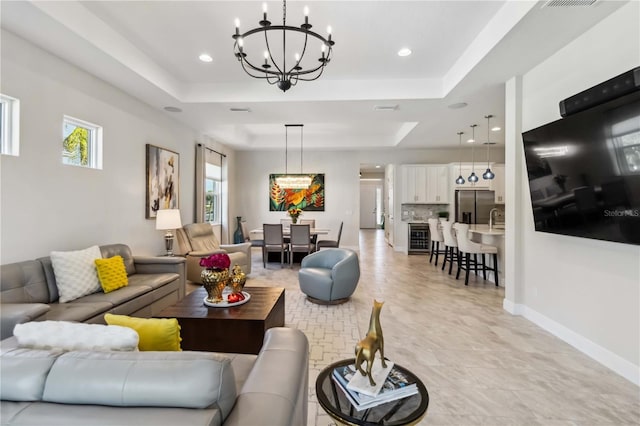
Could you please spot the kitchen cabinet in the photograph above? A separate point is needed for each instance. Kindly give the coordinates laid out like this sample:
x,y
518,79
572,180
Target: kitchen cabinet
x,y
498,183
466,171
438,184
414,184
424,184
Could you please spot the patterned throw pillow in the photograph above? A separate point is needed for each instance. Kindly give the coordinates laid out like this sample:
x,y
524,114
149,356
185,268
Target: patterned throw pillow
x,y
111,273
76,273
156,334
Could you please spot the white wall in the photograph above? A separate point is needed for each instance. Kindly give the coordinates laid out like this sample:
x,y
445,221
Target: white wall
x,y
48,206
586,291
342,202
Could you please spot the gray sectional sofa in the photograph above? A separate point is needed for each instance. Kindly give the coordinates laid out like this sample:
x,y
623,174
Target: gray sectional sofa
x,y
28,291
49,387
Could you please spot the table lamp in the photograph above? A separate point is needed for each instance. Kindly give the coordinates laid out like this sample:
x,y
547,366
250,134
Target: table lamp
x,y
168,219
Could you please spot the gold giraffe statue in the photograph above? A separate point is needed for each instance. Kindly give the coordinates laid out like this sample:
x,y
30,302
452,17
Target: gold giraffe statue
x,y
373,341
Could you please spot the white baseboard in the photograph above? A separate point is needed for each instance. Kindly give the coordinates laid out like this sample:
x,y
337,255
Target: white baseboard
x,y
604,356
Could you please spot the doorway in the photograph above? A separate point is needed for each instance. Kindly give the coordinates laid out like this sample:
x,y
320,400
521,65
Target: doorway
x,y
371,209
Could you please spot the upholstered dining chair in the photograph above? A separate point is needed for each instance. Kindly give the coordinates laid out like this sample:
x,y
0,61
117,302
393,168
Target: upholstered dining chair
x,y
312,225
273,242
330,243
300,241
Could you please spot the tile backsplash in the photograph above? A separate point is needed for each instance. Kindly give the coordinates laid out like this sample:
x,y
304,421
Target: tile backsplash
x,y
420,212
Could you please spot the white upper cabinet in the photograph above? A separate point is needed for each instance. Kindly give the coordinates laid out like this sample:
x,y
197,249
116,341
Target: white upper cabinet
x,y
414,184
424,184
438,184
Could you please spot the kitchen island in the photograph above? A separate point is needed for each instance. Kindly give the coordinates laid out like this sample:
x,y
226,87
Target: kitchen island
x,y
494,237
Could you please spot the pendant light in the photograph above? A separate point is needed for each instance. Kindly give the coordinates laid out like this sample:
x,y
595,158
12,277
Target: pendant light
x,y
460,180
293,181
488,174
473,177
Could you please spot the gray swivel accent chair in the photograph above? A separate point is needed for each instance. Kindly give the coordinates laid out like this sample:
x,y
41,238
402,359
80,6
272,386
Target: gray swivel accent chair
x,y
330,276
330,243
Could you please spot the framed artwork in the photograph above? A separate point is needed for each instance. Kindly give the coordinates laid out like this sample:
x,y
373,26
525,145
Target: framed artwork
x,y
163,180
309,199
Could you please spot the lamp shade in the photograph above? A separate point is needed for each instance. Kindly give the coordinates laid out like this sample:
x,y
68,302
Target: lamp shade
x,y
168,219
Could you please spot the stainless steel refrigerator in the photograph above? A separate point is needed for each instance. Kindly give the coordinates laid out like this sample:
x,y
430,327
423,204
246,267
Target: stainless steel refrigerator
x,y
474,206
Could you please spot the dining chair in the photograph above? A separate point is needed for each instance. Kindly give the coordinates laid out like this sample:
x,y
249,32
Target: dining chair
x,y
247,237
273,242
300,241
330,243
312,224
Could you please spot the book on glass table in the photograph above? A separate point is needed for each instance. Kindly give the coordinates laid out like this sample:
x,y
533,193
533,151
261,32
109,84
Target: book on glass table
x,y
395,386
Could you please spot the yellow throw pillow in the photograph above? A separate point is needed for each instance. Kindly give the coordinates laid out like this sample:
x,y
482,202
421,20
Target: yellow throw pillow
x,y
111,273
156,334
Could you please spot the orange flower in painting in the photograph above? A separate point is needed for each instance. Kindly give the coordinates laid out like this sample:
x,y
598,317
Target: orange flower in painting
x,y
319,201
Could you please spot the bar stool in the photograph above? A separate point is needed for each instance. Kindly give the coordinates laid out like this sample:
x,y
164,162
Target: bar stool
x,y
436,239
450,244
467,247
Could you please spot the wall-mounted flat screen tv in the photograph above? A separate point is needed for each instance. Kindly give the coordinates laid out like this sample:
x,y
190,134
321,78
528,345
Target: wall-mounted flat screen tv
x,y
584,172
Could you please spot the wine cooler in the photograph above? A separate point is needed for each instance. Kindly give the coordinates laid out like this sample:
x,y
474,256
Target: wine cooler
x,y
419,240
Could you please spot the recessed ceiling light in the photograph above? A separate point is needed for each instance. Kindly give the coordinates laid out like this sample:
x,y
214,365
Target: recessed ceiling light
x,y
245,109
172,109
496,129
377,166
405,51
458,105
205,57
470,141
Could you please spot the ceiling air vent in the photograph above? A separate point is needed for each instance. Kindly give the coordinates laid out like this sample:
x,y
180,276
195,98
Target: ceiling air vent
x,y
385,107
568,3
240,109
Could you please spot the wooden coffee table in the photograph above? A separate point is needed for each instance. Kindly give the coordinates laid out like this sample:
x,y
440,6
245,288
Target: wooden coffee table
x,y
238,329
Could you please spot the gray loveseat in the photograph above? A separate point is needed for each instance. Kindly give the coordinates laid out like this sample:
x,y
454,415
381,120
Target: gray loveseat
x,y
28,291
45,387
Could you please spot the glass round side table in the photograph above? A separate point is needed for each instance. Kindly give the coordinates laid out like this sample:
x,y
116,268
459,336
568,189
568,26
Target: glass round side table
x,y
405,411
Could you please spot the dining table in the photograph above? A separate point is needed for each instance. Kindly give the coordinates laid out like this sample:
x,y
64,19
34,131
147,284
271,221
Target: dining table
x,y
258,232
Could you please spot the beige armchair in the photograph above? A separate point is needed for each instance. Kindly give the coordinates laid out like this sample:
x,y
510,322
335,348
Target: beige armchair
x,y
197,240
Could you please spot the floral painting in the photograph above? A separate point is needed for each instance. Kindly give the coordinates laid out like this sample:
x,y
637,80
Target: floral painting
x,y
163,180
309,199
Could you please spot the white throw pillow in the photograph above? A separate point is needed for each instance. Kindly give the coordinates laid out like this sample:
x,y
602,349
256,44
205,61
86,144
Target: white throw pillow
x,y
71,336
75,272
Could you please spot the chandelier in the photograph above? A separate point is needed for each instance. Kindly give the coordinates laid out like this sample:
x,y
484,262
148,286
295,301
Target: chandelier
x,y
276,69
293,181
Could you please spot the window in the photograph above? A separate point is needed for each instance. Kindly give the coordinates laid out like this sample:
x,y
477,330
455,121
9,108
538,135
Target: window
x,y
81,144
213,185
9,125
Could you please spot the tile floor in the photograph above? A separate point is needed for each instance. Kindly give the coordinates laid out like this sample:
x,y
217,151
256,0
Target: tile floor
x,y
481,365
